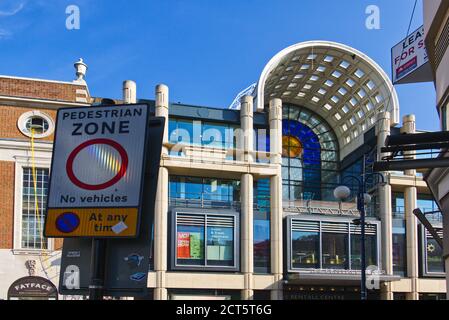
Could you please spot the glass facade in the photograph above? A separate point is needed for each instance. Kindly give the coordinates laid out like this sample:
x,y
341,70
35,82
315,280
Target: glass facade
x,y
429,207
399,248
201,133
399,235
210,193
310,156
262,229
203,192
329,245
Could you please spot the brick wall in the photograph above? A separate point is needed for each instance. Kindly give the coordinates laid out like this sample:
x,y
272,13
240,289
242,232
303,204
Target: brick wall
x,y
6,204
9,115
25,88
8,119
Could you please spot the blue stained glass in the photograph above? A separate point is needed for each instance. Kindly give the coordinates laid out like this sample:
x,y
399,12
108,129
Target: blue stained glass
x,y
311,154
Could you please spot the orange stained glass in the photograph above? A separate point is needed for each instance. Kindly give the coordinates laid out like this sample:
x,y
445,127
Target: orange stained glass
x,y
291,147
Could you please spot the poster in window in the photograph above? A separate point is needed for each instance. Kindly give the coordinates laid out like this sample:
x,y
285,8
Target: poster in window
x,y
195,246
183,245
220,244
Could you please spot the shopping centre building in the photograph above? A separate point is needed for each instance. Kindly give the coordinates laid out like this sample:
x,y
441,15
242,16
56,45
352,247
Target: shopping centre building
x,y
246,216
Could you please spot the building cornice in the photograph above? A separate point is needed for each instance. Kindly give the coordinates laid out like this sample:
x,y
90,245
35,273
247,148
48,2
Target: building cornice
x,y
44,146
38,103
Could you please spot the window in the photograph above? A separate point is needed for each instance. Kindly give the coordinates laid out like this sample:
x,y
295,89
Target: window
x,y
428,206
444,118
261,242
262,144
399,248
203,192
205,241
199,133
261,226
36,124
330,244
220,241
335,246
305,249
398,205
432,253
310,156
34,200
371,256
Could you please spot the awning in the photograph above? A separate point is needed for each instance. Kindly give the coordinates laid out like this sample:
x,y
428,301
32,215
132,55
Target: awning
x,y
336,278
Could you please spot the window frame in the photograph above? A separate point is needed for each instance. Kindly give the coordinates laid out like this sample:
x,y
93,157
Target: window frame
x,y
423,257
289,221
20,164
23,120
173,229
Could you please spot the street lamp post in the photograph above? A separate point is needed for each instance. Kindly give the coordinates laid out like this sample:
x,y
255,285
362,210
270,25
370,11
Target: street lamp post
x,y
342,193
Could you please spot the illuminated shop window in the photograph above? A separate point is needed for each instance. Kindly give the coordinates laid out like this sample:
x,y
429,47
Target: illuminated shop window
x,y
329,245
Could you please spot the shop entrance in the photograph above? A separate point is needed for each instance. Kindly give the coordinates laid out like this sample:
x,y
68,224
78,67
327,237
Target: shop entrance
x,y
329,293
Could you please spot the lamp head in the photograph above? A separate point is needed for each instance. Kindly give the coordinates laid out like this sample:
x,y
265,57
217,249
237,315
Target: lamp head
x,y
342,192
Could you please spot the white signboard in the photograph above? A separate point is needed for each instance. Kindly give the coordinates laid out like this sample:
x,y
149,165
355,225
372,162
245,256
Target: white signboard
x,y
410,62
98,162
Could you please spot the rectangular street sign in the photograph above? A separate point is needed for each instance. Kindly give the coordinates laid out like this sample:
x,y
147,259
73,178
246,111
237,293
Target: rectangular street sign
x,y
97,172
410,62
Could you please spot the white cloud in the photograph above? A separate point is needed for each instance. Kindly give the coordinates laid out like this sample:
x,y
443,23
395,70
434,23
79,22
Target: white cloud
x,y
12,12
4,34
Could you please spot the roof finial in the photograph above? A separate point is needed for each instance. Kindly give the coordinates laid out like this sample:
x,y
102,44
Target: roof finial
x,y
81,69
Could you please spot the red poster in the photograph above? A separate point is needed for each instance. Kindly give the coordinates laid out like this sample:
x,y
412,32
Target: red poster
x,y
183,245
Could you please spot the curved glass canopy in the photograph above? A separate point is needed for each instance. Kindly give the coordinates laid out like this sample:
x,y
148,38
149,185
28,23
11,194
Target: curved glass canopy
x,y
342,85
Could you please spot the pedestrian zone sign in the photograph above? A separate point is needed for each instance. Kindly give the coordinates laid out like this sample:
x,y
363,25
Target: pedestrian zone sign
x,y
97,172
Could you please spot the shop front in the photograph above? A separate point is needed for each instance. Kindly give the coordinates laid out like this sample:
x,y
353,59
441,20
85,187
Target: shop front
x,y
326,293
32,288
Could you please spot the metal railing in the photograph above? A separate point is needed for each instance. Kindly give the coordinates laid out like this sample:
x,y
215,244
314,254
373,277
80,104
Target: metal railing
x,y
204,203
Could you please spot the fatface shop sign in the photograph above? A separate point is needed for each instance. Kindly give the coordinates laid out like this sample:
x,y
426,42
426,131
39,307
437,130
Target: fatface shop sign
x,y
410,62
32,287
97,172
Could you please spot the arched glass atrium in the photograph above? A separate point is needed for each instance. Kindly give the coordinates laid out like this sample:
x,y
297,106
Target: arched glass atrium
x,y
331,96
339,83
309,155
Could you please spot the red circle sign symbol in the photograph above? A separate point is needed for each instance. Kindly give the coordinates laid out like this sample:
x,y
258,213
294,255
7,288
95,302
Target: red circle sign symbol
x,y
107,184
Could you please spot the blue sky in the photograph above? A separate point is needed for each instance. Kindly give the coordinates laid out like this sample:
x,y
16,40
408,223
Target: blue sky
x,y
206,51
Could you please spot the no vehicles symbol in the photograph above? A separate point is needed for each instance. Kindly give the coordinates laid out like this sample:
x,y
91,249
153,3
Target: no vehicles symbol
x,y
67,222
94,187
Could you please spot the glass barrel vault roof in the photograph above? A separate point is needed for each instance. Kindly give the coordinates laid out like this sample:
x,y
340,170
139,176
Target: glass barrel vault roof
x,y
341,84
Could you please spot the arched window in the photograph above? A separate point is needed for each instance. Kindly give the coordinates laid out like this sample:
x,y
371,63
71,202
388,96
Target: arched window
x,y
309,156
